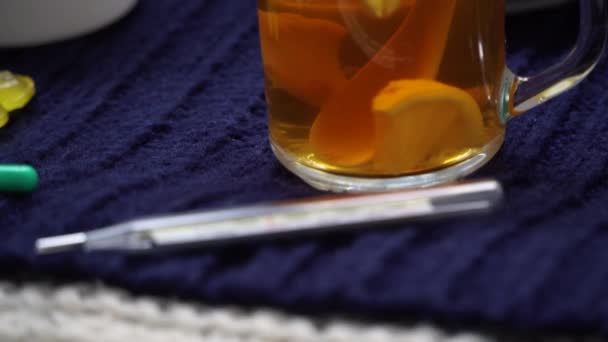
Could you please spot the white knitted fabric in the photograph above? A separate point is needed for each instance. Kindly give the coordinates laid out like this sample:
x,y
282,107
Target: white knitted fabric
x,y
88,313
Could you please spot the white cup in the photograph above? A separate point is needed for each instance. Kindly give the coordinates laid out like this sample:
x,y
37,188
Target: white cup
x,y
32,22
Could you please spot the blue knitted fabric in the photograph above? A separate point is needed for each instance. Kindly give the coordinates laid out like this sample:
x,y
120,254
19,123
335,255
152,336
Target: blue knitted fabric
x,y
164,112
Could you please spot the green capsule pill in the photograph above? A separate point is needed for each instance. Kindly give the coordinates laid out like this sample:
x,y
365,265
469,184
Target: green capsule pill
x,y
17,178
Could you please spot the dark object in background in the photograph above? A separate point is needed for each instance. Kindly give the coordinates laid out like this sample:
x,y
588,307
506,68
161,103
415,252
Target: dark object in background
x,y
531,21
520,6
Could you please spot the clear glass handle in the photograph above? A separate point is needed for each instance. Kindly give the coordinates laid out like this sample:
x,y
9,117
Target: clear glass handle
x,y
529,92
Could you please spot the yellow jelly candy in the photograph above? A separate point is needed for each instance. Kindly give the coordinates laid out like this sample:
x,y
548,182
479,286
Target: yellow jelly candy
x,y
3,116
15,92
416,119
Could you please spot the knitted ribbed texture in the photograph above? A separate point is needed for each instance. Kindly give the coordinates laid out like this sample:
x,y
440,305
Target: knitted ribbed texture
x,y
94,313
165,112
87,313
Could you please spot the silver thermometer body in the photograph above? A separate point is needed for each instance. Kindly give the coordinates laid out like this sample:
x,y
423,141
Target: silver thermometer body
x,y
280,219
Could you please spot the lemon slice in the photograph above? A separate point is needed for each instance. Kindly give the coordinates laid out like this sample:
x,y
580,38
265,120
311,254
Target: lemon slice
x,y
422,123
386,8
343,133
301,55
318,9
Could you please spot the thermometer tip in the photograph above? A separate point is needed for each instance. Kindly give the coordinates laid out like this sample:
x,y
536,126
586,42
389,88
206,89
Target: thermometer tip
x,y
61,243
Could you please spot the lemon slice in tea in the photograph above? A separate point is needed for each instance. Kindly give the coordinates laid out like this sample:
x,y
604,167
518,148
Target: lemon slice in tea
x,y
301,55
386,8
423,124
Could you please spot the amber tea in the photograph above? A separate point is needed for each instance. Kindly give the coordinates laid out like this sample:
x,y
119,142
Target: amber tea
x,y
382,88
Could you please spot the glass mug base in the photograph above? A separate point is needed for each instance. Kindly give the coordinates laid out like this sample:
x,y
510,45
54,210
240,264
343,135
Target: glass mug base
x,y
327,181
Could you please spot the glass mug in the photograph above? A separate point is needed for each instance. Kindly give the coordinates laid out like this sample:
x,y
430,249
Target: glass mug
x,y
370,95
